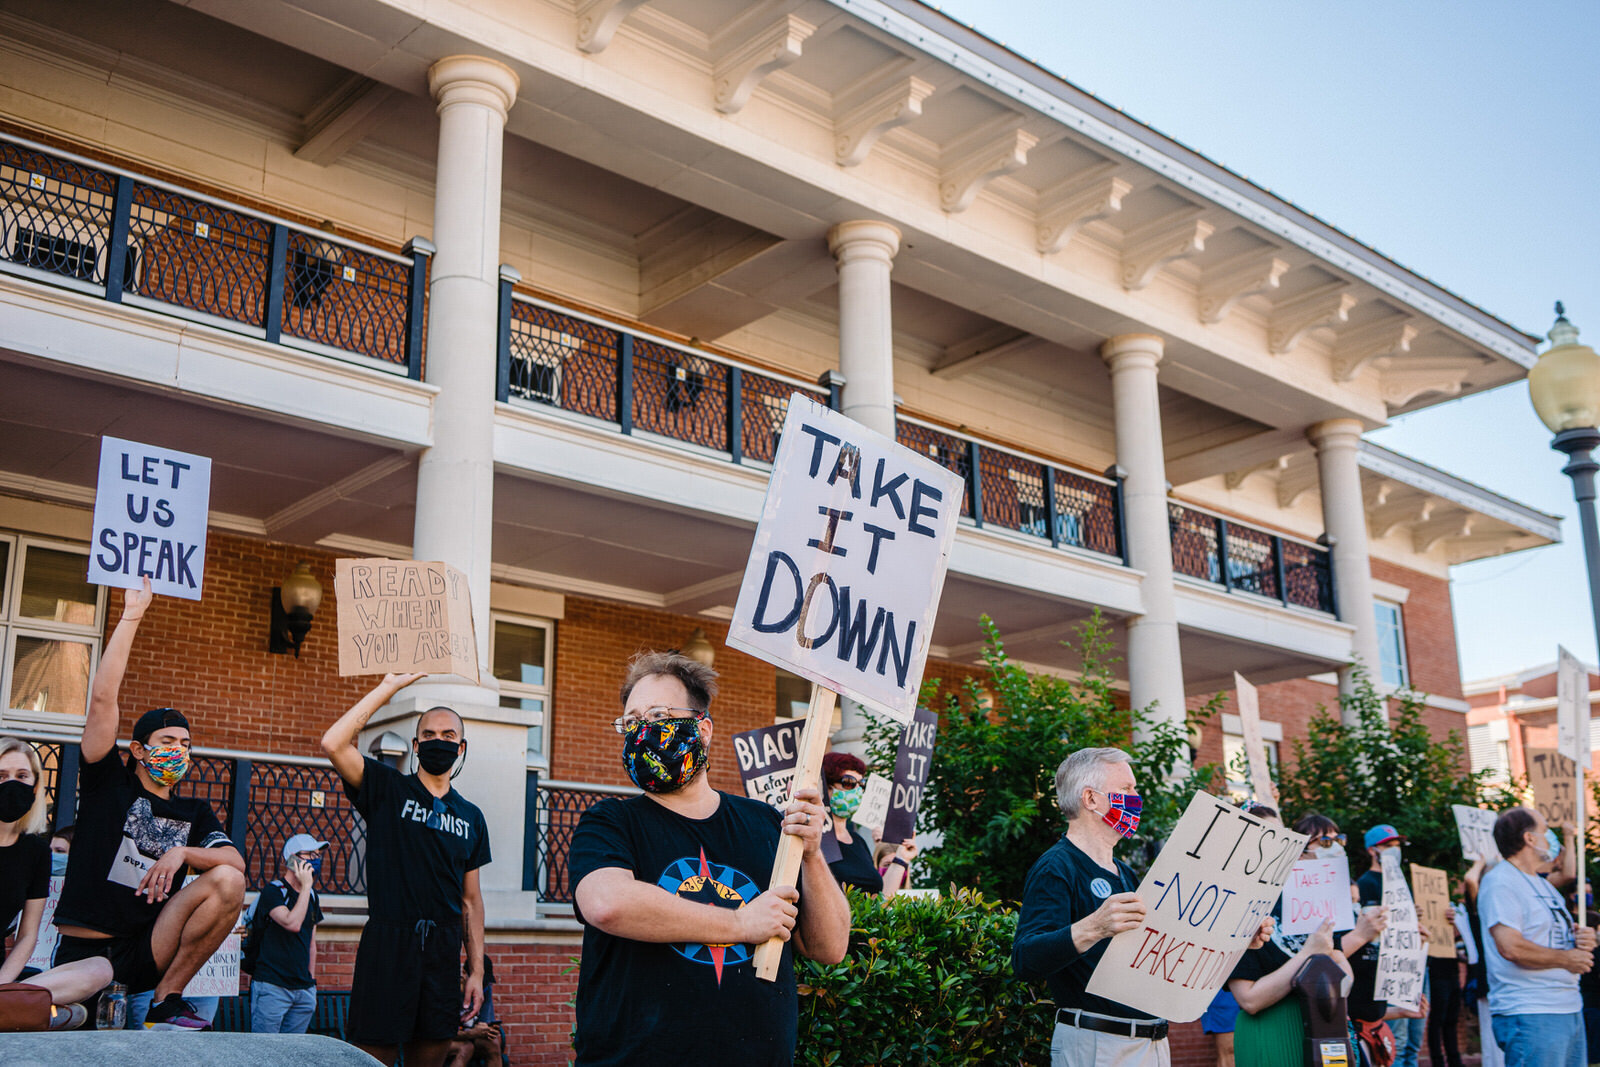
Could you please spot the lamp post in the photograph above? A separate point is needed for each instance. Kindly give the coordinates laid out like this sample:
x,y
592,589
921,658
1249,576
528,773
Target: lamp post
x,y
1565,388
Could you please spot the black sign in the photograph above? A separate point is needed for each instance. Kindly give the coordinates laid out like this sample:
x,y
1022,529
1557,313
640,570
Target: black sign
x,y
910,776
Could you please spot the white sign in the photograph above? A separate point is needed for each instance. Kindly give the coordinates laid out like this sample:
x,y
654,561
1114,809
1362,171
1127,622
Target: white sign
x,y
1476,827
219,976
1205,896
1317,890
848,562
150,512
1255,748
1572,708
874,803
1402,955
44,950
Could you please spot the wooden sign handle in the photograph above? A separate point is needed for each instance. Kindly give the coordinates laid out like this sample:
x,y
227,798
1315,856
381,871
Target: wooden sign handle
x,y
1581,820
808,772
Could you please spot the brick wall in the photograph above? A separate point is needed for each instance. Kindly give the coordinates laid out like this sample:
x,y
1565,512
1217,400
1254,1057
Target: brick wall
x,y
1430,630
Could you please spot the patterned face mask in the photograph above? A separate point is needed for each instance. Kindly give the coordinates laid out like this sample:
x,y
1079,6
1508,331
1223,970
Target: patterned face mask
x,y
168,764
845,802
665,755
1123,813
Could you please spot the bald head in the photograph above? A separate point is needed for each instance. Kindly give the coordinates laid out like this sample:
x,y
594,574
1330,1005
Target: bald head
x,y
442,723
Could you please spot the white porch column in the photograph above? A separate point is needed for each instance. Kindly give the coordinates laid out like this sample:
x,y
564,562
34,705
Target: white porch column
x,y
1155,666
1344,517
455,479
865,253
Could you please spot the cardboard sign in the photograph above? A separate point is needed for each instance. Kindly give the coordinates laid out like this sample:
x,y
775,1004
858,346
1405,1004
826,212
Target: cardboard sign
x,y
849,559
1572,707
1553,777
219,976
1402,958
874,810
151,507
1205,895
404,616
1317,890
767,758
1430,889
1255,748
911,763
44,949
1476,827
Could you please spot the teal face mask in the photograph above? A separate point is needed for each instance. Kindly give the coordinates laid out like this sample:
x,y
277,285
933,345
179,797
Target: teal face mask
x,y
1552,843
845,802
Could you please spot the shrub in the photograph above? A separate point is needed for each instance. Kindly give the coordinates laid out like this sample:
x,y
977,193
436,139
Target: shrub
x,y
926,981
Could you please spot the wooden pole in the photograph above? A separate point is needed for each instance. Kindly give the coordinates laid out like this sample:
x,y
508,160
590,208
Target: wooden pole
x,y
786,866
1582,813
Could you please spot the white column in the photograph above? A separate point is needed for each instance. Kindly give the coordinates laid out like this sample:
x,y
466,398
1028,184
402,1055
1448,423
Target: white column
x,y
864,251
1344,517
455,479
1155,666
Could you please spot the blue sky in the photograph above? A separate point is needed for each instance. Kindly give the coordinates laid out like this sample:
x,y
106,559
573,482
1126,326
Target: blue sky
x,y
1461,139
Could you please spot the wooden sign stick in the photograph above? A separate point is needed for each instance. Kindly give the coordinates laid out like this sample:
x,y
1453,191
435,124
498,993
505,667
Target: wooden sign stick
x,y
1582,813
786,867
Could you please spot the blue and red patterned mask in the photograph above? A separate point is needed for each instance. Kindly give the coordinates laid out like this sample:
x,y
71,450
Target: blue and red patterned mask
x,y
663,756
1123,813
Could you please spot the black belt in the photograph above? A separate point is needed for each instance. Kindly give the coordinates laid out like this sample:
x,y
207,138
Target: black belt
x,y
1155,1030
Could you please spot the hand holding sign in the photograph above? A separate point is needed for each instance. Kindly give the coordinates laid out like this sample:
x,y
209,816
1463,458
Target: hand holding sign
x,y
403,616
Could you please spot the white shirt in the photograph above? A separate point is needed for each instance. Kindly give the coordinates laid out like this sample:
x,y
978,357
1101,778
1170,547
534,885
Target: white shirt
x,y
1528,904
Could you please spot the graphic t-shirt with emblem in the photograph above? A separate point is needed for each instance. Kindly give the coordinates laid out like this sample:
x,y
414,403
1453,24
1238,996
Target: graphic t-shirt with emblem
x,y
657,1003
121,830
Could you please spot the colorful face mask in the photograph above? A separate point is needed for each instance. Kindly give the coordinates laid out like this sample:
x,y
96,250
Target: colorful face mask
x,y
16,797
1123,813
844,802
168,764
665,755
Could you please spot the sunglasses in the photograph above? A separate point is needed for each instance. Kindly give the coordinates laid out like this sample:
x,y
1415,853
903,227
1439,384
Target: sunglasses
x,y
849,781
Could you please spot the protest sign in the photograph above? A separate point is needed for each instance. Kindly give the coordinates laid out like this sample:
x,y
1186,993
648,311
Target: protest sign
x,y
1476,827
874,810
1464,930
1430,890
151,507
1255,749
1572,707
1552,776
1401,955
1206,895
767,757
848,561
1317,890
44,949
911,764
219,975
404,616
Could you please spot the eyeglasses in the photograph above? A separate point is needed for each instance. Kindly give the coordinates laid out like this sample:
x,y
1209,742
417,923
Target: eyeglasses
x,y
656,714
1327,839
848,782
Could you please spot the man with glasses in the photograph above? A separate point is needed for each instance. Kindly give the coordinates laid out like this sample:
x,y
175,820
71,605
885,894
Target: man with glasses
x,y
671,887
425,844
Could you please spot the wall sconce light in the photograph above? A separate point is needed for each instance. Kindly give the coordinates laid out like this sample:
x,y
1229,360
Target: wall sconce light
x,y
293,605
699,648
389,747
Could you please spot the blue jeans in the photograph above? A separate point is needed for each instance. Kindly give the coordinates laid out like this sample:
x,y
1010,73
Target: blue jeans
x,y
1542,1040
276,1010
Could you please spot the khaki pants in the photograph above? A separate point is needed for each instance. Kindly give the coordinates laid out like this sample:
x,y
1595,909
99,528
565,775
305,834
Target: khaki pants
x,y
1073,1046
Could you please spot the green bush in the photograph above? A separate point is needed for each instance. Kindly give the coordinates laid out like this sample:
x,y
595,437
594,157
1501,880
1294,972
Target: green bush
x,y
926,981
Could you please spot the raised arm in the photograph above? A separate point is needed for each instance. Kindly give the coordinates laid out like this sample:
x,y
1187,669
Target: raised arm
x,y
340,740
100,726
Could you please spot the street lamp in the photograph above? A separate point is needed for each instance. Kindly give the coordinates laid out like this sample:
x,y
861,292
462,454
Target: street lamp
x,y
1565,388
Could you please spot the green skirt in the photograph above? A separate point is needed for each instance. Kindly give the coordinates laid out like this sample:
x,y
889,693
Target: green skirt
x,y
1274,1038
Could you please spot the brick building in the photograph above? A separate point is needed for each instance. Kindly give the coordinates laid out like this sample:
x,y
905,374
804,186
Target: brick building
x,y
525,288
1512,713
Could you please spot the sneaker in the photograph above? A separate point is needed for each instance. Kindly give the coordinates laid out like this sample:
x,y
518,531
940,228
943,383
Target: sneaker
x,y
174,1013
68,1016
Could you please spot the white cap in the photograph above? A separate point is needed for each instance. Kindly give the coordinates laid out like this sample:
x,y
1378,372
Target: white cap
x,y
302,843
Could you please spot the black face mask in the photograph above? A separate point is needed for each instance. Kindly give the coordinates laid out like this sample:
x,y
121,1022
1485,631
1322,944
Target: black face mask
x,y
436,756
16,798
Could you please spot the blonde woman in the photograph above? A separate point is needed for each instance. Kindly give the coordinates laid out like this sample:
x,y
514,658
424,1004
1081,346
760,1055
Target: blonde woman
x,y
25,882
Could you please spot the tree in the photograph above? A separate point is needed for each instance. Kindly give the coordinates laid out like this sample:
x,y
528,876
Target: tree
x,y
991,789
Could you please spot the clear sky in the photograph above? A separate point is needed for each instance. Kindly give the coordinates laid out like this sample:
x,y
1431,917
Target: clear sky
x,y
1459,137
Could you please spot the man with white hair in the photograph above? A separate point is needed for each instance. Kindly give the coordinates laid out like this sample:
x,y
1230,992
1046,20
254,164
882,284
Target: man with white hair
x,y
1078,895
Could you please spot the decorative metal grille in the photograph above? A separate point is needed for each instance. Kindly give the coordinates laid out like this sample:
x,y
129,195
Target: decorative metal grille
x,y
55,215
562,361
290,798
558,812
345,298
680,395
947,450
1086,513
1307,576
201,256
765,403
1013,492
1194,544
1251,565
210,779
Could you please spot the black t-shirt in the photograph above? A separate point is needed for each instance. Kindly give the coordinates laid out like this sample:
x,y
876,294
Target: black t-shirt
x,y
121,830
854,865
24,876
285,955
419,846
1364,964
1064,886
1277,950
681,1003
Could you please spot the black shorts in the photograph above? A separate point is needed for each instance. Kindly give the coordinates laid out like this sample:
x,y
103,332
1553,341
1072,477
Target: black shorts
x,y
407,983
133,963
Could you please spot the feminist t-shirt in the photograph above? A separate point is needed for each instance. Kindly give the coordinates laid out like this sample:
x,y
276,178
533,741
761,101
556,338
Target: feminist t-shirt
x,y
122,829
684,1003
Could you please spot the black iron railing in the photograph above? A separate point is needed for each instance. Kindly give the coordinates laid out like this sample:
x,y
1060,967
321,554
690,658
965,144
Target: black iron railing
x,y
137,241
552,813
1246,559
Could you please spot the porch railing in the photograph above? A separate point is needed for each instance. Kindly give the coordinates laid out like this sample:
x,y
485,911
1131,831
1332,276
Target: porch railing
x,y
135,240
552,812
1246,559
